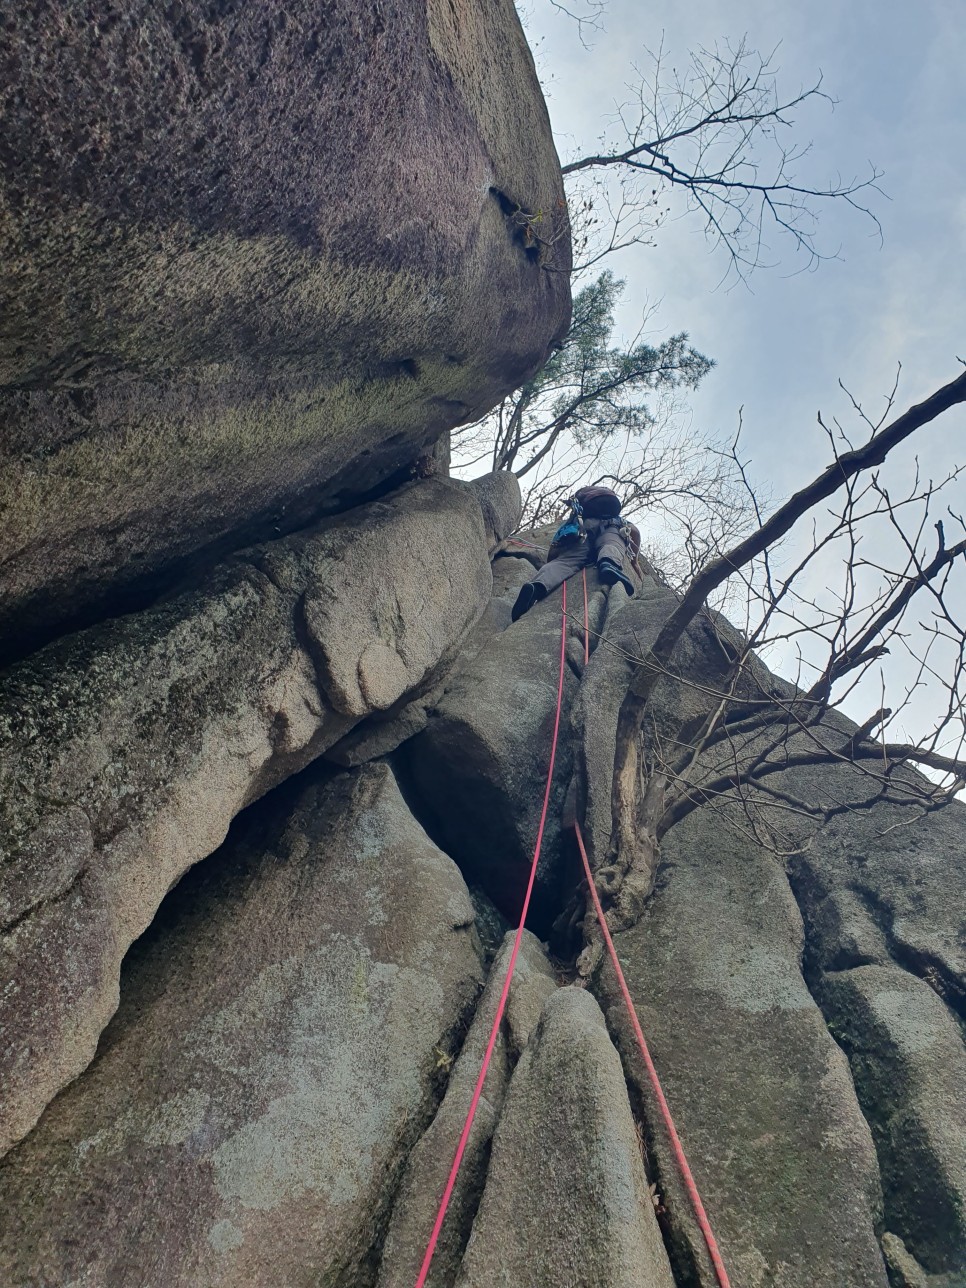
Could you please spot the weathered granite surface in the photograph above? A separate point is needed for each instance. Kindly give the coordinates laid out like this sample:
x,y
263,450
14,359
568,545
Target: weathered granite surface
x,y
125,751
279,1045
253,261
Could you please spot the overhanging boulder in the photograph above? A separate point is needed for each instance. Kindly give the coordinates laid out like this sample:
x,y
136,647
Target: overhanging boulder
x,y
253,261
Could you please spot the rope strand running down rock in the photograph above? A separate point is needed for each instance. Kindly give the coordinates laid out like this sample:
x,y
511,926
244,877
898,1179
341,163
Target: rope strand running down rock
x,y
586,622
677,1147
478,1090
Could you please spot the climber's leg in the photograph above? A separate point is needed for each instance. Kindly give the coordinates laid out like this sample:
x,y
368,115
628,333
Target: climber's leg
x,y
528,596
553,573
570,560
609,550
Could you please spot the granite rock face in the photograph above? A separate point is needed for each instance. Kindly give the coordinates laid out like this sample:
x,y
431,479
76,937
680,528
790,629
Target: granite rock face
x,y
501,502
744,962
254,260
480,765
884,900
278,1048
909,1063
429,1164
566,1198
761,1095
125,751
803,1008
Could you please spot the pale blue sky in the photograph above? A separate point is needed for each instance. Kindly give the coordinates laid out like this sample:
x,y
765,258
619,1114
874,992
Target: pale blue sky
x,y
898,71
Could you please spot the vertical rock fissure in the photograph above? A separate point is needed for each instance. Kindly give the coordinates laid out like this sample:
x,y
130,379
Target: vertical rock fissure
x,y
463,1210
677,1245
877,1101
917,961
548,901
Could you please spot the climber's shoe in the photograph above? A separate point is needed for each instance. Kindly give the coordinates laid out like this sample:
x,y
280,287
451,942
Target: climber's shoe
x,y
610,575
528,596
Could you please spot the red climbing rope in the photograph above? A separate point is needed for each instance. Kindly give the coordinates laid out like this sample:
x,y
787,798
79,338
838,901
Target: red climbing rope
x,y
586,623
478,1090
676,1145
722,1274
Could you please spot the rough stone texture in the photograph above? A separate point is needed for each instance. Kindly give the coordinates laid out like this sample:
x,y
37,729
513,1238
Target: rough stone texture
x,y
909,1065
761,1095
882,890
878,881
904,1270
479,768
628,626
508,576
884,884
254,260
877,885
429,1164
384,731
126,751
275,1053
566,1199
501,502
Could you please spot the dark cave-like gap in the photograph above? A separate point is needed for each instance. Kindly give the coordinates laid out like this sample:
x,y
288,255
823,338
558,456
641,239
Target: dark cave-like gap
x,y
546,905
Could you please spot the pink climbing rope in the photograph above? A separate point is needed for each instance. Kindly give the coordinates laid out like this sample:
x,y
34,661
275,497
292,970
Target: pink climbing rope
x,y
478,1090
677,1147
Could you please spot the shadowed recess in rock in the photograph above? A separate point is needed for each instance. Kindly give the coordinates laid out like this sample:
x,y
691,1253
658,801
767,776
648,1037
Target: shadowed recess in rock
x,y
284,1030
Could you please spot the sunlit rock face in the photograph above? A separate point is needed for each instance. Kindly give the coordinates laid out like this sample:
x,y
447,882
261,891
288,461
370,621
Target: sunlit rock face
x,y
254,259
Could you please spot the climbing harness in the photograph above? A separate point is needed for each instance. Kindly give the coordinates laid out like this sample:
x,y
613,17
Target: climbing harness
x,y
570,531
678,1149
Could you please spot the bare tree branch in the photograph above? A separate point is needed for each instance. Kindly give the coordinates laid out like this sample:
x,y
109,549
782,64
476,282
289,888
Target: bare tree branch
x,y
758,733
718,134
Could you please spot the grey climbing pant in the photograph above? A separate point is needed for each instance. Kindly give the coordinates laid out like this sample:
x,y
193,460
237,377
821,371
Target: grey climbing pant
x,y
601,542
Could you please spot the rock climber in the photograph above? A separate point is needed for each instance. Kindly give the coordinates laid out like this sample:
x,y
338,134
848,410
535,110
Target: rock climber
x,y
594,533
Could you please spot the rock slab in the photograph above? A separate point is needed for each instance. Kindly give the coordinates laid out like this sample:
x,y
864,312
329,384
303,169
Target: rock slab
x,y
429,1164
762,1096
125,751
277,1051
566,1203
479,768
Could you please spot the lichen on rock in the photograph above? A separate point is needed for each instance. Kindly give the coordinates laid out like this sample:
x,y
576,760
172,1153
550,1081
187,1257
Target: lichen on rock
x,y
277,1049
126,751
253,263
